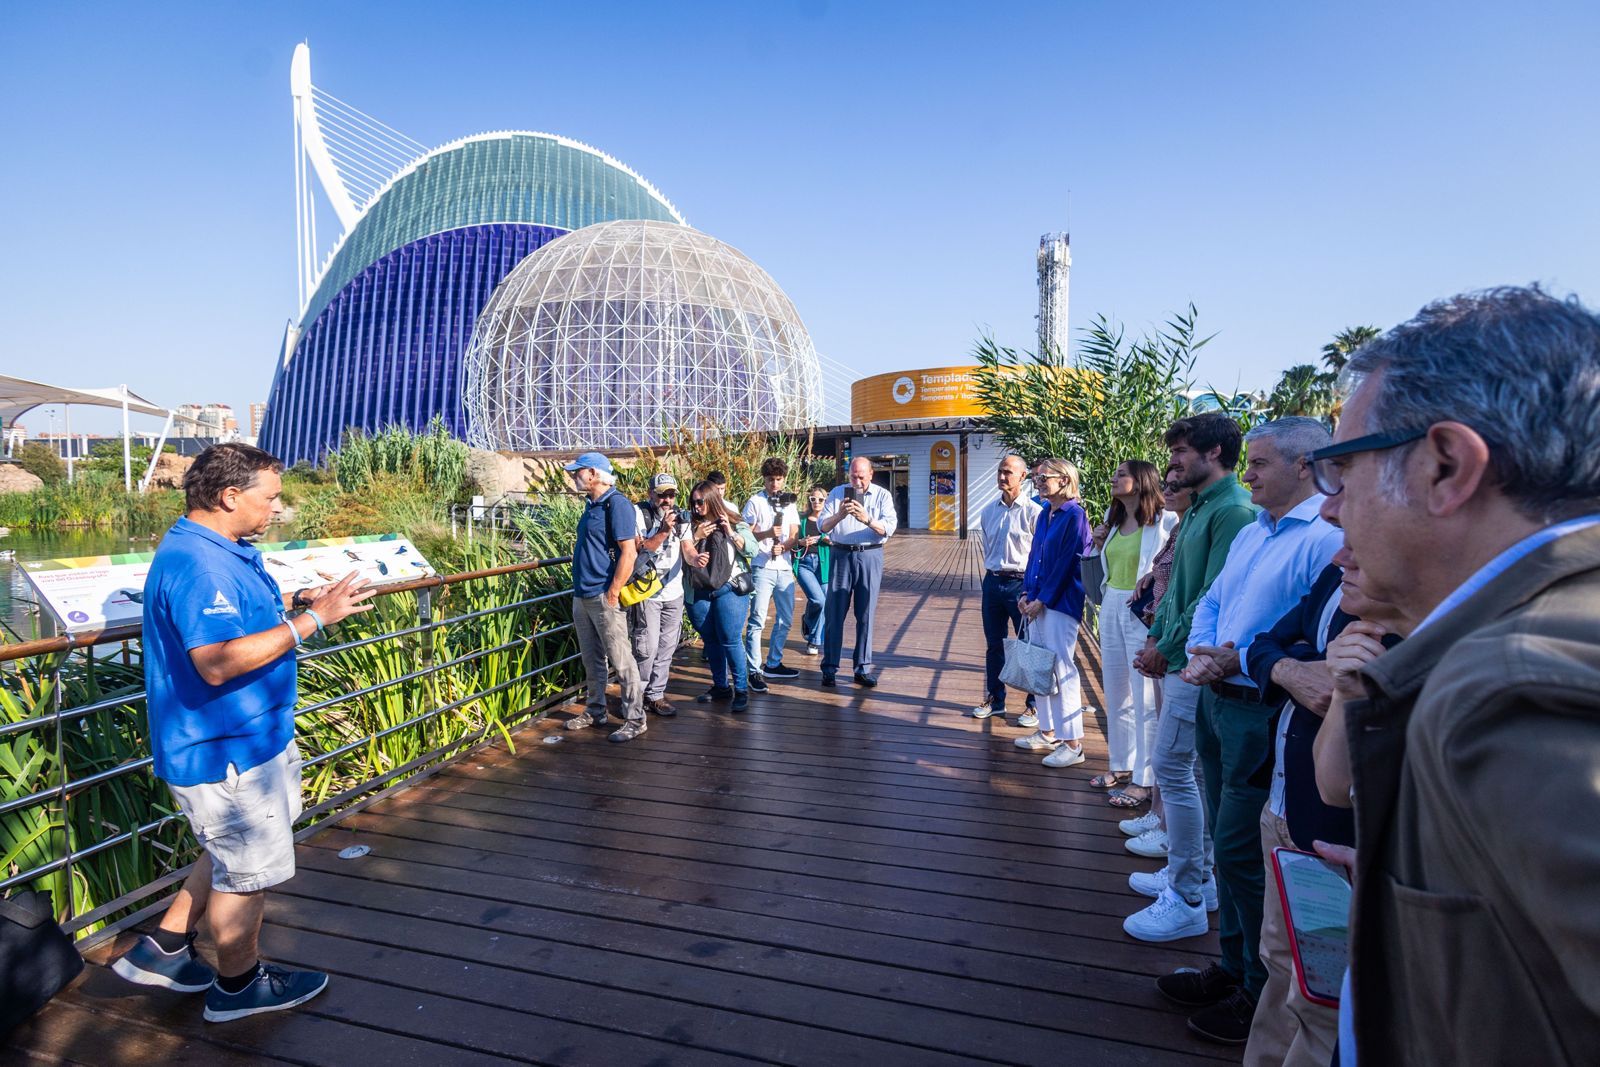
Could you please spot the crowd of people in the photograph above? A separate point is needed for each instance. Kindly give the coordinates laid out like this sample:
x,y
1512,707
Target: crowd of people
x,y
1378,645
725,568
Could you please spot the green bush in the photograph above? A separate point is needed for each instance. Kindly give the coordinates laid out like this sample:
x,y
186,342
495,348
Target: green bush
x,y
41,461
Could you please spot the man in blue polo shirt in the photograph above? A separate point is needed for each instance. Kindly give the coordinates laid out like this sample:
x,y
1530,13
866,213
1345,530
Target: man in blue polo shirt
x,y
220,687
602,563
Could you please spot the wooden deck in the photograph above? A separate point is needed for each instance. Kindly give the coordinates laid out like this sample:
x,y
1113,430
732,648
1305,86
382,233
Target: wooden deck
x,y
836,877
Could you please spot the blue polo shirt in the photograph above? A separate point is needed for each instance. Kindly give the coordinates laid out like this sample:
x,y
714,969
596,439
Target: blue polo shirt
x,y
594,557
202,589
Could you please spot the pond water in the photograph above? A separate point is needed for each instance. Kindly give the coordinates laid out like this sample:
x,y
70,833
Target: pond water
x,y
19,614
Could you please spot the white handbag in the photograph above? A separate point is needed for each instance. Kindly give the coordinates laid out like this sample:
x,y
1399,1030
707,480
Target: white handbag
x,y
1029,667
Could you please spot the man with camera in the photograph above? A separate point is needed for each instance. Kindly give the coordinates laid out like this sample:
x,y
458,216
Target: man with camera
x,y
774,522
858,518
657,623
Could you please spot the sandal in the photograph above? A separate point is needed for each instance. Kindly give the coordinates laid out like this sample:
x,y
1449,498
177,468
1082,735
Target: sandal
x,y
1110,780
1123,799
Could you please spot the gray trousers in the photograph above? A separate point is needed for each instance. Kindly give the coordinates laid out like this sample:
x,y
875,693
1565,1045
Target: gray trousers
x,y
1176,764
657,626
603,640
855,578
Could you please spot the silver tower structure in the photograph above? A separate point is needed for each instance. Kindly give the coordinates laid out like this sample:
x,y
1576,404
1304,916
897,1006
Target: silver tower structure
x,y
1055,265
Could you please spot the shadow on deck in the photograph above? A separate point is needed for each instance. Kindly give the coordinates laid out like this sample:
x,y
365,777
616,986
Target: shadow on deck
x,y
836,877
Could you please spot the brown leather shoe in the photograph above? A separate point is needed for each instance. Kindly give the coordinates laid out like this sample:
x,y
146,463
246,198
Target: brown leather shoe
x,y
660,707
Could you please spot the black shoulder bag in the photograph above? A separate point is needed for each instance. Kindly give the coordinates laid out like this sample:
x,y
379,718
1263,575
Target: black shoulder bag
x,y
37,958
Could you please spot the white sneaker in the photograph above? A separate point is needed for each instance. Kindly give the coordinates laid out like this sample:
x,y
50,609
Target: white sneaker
x,y
1152,844
1065,756
1027,720
1136,826
1170,918
1037,742
1151,885
984,710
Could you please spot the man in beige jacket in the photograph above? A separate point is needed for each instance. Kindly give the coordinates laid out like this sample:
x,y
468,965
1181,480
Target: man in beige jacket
x,y
1466,476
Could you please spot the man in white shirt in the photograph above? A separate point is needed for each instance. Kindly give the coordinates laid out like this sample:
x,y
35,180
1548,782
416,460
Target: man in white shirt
x,y
657,623
1007,524
858,518
774,523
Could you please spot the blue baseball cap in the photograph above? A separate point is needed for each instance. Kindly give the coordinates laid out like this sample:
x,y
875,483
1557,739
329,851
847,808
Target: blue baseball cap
x,y
590,459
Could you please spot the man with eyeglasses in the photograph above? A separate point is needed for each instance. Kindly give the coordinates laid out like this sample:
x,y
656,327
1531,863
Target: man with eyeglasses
x,y
1270,566
1466,477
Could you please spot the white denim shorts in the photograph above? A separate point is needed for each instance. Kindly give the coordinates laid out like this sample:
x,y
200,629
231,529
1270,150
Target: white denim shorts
x,y
246,822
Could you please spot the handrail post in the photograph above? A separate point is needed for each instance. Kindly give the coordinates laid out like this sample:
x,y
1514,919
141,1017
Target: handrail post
x,y
57,707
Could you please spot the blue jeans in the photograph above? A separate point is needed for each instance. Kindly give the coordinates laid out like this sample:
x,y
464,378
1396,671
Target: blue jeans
x,y
1001,616
809,575
717,617
775,586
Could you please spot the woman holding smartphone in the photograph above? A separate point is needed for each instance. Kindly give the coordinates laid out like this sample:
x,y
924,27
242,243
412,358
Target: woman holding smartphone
x,y
812,561
716,555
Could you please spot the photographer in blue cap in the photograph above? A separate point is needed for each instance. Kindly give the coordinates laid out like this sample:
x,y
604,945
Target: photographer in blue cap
x,y
602,563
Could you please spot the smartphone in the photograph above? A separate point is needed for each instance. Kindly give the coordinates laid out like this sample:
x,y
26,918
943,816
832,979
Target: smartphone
x,y
1316,903
852,493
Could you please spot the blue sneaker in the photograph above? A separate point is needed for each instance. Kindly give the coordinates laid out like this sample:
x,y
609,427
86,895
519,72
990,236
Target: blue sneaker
x,y
180,971
272,989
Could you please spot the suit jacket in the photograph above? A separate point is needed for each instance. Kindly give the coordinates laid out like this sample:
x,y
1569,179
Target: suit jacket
x,y
1475,937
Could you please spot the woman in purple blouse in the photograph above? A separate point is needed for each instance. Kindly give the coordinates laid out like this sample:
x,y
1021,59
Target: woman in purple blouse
x,y
1052,602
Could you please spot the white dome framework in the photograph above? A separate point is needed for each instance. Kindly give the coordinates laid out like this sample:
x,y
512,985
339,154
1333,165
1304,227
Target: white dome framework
x,y
615,334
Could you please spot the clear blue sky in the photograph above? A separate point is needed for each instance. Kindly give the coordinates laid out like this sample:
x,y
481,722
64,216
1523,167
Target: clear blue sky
x,y
1290,168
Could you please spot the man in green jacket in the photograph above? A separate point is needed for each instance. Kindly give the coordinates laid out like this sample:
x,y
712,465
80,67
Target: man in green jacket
x,y
1467,481
1204,452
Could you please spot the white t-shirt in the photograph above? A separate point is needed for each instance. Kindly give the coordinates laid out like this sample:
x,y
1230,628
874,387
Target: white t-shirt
x,y
760,514
669,557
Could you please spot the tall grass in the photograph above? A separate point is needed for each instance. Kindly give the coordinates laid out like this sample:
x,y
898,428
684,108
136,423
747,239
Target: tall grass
x,y
88,502
513,643
433,459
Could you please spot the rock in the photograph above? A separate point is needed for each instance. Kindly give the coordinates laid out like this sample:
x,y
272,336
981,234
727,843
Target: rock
x,y
483,470
13,479
169,472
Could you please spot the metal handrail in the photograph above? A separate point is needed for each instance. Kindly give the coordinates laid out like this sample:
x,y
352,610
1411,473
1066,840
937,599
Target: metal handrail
x,y
67,788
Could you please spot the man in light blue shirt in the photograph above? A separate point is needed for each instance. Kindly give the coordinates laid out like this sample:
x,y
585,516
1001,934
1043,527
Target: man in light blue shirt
x,y
1271,565
858,518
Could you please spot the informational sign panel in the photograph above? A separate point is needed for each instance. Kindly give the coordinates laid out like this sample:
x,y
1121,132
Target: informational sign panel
x,y
942,497
93,592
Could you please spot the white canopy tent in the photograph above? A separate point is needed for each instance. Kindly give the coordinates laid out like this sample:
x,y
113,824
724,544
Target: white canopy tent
x,y
18,396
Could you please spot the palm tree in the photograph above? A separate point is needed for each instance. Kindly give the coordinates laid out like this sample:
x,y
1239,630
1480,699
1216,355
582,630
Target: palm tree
x,y
1302,390
1336,353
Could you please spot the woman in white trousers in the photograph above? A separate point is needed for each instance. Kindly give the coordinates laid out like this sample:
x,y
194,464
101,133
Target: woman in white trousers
x,y
1052,603
1134,531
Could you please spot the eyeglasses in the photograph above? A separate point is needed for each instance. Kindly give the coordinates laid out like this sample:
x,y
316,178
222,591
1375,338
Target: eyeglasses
x,y
1328,475
697,502
667,494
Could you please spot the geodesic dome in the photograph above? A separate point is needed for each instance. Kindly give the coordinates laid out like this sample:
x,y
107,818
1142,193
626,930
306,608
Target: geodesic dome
x,y
616,333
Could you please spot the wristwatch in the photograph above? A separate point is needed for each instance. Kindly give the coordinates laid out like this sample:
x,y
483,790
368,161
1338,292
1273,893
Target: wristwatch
x,y
300,601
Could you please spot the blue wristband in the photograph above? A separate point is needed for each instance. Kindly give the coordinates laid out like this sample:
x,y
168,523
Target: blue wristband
x,y
294,632
316,619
